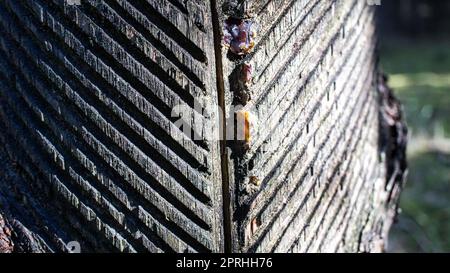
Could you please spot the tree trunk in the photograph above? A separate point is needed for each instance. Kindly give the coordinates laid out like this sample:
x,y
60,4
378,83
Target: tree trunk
x,y
306,156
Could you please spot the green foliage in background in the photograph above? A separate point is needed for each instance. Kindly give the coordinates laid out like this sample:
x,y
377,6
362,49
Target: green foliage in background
x,y
420,75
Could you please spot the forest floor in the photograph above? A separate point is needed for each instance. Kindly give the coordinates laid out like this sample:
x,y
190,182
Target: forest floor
x,y
420,75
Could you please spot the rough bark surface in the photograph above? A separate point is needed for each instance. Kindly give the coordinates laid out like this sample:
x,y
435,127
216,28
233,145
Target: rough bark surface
x,y
87,92
93,155
324,176
6,244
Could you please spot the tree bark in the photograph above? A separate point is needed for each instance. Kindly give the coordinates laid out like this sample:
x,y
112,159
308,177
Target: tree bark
x,y
96,162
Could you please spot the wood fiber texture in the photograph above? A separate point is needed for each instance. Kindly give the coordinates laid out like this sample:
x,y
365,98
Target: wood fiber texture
x,y
87,90
316,148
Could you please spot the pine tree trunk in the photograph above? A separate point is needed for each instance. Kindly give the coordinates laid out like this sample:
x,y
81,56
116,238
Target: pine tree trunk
x,y
305,154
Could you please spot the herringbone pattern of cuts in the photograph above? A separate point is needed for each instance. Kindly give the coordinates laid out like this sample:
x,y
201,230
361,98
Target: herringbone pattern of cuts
x,y
86,95
315,147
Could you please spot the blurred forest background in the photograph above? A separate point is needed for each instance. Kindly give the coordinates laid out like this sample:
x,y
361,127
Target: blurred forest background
x,y
415,53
